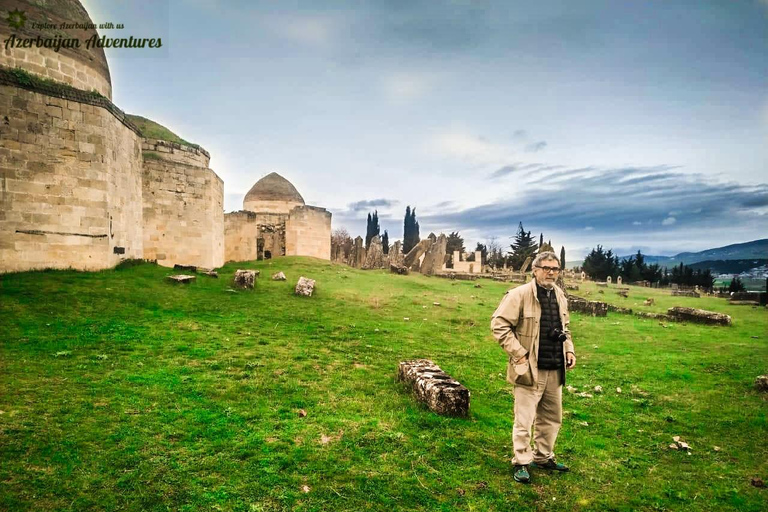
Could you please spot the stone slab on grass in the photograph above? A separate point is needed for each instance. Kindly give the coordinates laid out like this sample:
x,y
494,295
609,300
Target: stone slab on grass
x,y
181,278
701,316
434,388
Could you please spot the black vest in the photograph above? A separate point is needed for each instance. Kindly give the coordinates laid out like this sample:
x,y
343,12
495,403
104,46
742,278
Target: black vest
x,y
550,351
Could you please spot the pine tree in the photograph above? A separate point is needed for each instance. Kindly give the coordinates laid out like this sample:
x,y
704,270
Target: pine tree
x,y
600,264
522,247
385,242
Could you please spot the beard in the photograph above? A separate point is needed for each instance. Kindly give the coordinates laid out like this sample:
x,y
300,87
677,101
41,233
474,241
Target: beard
x,y
545,284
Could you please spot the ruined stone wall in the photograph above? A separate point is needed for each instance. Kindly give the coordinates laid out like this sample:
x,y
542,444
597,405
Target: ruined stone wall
x,y
473,267
183,206
246,233
70,189
308,232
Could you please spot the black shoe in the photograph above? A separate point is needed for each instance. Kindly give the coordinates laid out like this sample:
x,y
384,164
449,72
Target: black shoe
x,y
521,474
551,465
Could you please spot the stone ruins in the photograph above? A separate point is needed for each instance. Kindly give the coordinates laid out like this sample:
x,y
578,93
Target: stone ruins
x,y
427,257
82,186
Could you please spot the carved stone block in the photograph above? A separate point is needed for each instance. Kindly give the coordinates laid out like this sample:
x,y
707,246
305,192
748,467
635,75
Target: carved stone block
x,y
435,388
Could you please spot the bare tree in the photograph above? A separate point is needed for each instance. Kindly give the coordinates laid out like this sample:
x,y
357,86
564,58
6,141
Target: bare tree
x,y
495,252
340,237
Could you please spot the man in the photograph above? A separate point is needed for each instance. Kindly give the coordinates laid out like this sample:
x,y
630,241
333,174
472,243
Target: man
x,y
531,325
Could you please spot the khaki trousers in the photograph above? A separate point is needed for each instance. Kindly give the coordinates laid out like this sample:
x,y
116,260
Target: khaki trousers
x,y
540,407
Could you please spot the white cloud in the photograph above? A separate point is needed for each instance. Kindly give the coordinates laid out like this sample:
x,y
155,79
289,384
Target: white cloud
x,y
589,228
407,86
637,223
313,31
461,145
668,221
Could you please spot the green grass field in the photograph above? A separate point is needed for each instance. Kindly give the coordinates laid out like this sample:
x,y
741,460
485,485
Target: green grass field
x,y
121,391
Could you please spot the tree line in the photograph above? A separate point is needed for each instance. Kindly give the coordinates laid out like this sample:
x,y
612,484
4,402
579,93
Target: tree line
x,y
600,264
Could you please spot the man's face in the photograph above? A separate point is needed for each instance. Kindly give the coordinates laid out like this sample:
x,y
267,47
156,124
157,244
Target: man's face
x,y
546,273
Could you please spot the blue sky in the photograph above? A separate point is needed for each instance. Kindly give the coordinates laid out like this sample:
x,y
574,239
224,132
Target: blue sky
x,y
635,125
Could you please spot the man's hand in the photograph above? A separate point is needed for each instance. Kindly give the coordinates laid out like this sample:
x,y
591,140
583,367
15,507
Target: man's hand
x,y
521,360
570,360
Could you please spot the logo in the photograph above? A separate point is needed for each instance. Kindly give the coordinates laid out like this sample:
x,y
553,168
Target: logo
x,y
17,19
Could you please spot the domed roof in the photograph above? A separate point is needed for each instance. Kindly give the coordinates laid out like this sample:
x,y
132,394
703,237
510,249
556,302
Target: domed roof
x,y
50,19
274,187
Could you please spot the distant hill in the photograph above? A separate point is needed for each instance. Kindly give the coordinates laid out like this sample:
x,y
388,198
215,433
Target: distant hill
x,y
729,266
754,250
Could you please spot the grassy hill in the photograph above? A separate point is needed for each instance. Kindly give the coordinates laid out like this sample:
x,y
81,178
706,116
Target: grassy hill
x,y
121,391
153,130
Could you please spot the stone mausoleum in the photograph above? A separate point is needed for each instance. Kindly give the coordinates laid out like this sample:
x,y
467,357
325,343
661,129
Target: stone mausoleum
x,y
84,185
275,221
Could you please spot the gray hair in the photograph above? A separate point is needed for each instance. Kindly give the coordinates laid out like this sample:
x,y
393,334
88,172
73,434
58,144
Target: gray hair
x,y
544,256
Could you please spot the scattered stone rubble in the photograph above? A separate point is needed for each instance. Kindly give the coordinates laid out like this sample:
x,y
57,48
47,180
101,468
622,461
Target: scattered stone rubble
x,y
761,383
435,388
279,276
679,445
398,269
245,279
305,287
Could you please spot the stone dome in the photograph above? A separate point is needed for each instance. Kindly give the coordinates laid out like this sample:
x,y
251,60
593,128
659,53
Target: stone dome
x,y
83,68
272,194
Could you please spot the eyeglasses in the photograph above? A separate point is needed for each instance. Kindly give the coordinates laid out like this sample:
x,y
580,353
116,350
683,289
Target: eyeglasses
x,y
554,270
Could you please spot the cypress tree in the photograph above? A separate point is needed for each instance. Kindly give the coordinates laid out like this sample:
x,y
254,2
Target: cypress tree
x,y
385,242
562,256
372,228
410,230
368,235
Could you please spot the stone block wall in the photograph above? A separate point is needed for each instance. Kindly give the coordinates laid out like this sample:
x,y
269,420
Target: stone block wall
x,y
70,184
308,232
47,63
246,233
174,152
182,206
264,206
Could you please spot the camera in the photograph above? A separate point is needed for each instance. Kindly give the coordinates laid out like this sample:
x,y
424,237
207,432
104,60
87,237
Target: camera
x,y
557,334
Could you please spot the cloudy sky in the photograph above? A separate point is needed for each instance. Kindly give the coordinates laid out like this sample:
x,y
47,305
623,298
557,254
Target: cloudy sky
x,y
635,125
